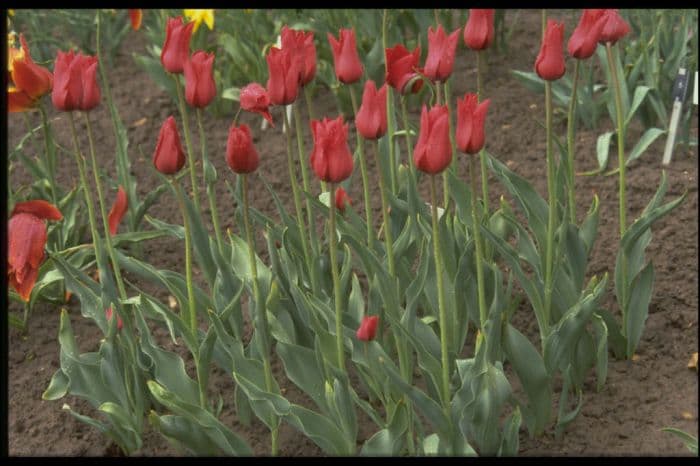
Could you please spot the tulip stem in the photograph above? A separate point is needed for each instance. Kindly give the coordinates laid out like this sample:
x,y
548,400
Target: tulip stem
x,y
50,154
483,315
261,323
551,223
389,108
482,159
310,211
188,143
336,282
297,206
451,167
409,142
363,171
571,123
441,301
211,192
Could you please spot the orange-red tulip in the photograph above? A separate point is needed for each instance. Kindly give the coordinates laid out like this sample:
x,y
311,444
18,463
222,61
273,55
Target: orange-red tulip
x,y
348,67
302,43
241,155
254,98
200,87
479,31
341,199
584,39
108,315
550,61
614,27
176,49
371,117
331,158
32,79
471,118
368,328
402,69
135,15
441,54
75,82
169,157
118,210
433,152
284,76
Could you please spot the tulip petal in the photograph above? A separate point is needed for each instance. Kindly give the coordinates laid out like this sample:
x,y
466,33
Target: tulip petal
x,y
118,210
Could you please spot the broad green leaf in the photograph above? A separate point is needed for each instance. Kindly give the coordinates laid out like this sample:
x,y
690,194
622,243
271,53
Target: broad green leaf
x,y
603,149
638,309
639,94
649,136
601,335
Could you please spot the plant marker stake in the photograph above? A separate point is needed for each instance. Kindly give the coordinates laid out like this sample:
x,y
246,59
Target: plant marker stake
x,y
679,88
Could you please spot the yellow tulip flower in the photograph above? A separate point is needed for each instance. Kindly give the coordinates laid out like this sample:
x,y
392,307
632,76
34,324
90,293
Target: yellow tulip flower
x,y
200,15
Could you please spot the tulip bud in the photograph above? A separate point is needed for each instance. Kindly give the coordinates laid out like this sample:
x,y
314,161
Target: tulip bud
x,y
371,117
584,39
479,31
176,49
75,82
331,158
284,76
402,69
241,155
614,27
433,152
135,16
118,210
200,88
368,328
169,157
550,61
302,45
348,67
254,98
108,315
470,124
441,54
341,199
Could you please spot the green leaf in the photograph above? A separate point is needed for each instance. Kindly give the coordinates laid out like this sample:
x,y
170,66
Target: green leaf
x,y
603,149
638,309
644,142
302,370
58,387
601,335
639,93
691,443
388,441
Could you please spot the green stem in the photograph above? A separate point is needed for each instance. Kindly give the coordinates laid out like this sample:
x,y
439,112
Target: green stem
x,y
261,314
312,116
297,206
482,159
388,233
186,126
441,301
551,223
310,211
50,155
336,283
409,141
479,251
389,110
451,124
571,123
211,193
363,171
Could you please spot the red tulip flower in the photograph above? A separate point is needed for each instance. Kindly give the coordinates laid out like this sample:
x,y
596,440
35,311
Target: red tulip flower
x,y
302,43
254,98
284,71
31,81
479,31
169,157
176,49
368,328
200,88
135,15
108,315
471,117
371,117
584,39
116,214
433,152
26,232
348,67
614,27
550,61
331,158
75,82
341,199
241,155
402,69
441,54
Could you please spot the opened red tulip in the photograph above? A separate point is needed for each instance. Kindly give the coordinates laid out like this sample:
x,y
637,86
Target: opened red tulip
x,y
433,152
331,158
302,44
169,157
176,49
371,117
479,31
108,315
18,100
471,117
614,27
402,69
26,232
75,82
550,61
348,67
200,88
29,78
368,328
441,54
284,76
584,39
254,98
135,15
118,210
241,155
341,199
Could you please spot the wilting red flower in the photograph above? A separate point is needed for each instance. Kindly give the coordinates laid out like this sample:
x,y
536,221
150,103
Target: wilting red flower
x,y
135,15
75,82
371,117
368,328
584,39
200,88
402,69
433,152
470,123
479,31
26,232
614,27
331,158
254,98
348,67
31,81
241,155
284,76
169,157
176,49
108,315
302,44
550,61
341,199
118,210
441,54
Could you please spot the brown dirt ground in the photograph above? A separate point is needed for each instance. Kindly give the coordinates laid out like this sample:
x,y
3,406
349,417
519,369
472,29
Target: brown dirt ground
x,y
640,397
